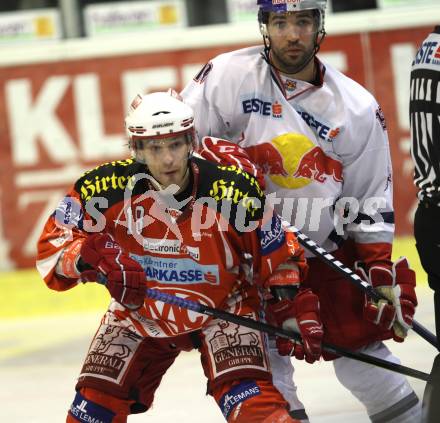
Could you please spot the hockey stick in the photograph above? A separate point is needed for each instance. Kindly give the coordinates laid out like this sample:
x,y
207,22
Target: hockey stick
x,y
155,294
335,264
272,330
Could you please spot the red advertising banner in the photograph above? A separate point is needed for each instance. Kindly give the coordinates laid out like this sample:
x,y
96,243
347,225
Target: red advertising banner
x,y
60,118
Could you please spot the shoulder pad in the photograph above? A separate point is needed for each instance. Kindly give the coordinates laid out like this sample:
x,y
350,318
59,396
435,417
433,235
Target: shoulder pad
x,y
107,180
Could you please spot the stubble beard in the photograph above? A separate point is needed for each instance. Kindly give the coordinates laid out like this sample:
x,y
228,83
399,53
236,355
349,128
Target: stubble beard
x,y
291,66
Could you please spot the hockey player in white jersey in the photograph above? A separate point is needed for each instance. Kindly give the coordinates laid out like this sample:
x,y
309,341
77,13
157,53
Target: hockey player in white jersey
x,y
319,139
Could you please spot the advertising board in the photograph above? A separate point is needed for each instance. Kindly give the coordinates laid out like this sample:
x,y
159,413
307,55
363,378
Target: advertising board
x,y
61,117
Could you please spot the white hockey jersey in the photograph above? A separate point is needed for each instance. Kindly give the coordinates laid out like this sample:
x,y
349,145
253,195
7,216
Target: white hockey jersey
x,y
321,147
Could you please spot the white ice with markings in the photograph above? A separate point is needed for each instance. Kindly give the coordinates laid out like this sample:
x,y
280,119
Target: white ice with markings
x,y
40,360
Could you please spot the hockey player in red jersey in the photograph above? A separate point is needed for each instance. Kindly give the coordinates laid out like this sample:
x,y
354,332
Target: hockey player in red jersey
x,y
185,226
320,142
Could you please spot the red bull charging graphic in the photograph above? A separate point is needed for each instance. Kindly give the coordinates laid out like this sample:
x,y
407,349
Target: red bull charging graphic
x,y
293,161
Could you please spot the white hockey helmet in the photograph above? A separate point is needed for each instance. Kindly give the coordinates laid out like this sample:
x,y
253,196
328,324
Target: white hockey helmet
x,y
157,116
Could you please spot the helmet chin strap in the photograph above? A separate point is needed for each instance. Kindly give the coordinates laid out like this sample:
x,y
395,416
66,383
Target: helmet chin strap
x,y
156,184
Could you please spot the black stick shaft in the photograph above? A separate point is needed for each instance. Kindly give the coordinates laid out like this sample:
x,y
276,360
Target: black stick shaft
x,y
272,330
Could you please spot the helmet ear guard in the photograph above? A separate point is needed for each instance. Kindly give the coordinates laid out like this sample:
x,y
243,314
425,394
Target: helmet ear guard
x,y
263,31
262,22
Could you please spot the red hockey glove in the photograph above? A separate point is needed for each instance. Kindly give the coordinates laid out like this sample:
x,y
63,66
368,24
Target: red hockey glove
x,y
397,285
227,153
125,276
301,315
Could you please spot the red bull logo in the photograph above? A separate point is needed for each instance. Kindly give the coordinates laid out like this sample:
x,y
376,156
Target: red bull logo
x,y
294,161
267,158
318,166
